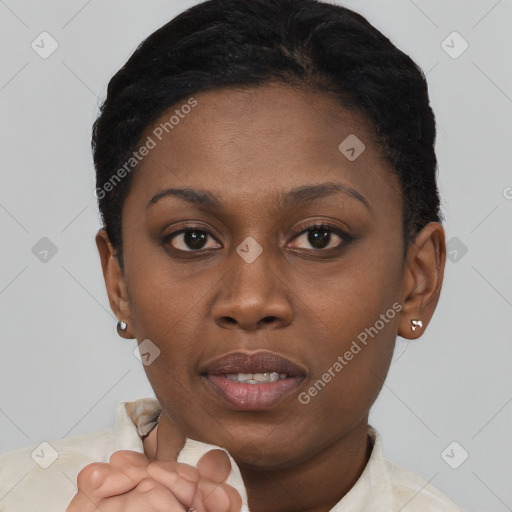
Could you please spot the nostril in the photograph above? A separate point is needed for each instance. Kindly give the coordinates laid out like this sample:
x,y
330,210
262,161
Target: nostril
x,y
269,319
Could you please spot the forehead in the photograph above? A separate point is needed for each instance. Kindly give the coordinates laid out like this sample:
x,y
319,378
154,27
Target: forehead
x,y
257,143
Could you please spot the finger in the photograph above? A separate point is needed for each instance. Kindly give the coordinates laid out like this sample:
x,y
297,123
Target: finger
x,y
197,493
131,464
184,470
87,501
148,496
96,480
193,490
124,471
180,479
117,482
212,497
214,465
234,498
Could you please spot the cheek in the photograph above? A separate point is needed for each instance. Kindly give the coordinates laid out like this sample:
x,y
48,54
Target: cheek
x,y
165,298
350,297
357,311
349,369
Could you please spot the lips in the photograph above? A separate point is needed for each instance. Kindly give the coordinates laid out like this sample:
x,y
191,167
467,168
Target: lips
x,y
236,377
256,362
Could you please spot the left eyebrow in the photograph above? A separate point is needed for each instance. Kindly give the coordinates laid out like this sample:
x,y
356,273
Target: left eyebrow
x,y
308,193
290,199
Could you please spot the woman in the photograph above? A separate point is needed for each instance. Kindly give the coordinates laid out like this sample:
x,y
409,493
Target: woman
x,y
266,178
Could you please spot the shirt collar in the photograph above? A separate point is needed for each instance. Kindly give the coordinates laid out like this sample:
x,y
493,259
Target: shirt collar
x,y
134,421
371,492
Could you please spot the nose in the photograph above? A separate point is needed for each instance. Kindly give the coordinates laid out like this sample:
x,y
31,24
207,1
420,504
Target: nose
x,y
252,296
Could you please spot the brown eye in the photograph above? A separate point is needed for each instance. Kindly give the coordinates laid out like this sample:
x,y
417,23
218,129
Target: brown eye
x,y
320,237
189,239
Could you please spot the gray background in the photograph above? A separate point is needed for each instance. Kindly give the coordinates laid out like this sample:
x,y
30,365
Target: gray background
x,y
63,369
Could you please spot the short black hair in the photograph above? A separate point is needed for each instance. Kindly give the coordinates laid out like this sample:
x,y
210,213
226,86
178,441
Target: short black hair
x,y
246,43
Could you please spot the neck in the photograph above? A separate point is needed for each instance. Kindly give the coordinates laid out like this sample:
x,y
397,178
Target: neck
x,y
316,485
164,442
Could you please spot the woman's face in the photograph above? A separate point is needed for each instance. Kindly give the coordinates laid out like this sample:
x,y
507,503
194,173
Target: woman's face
x,y
308,296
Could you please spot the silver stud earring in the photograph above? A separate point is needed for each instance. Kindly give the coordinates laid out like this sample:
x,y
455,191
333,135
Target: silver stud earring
x,y
415,324
121,328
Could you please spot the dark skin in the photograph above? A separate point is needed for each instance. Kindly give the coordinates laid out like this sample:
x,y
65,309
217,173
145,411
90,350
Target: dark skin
x,y
302,300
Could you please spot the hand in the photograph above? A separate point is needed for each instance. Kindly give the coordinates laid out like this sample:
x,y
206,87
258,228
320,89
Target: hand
x,y
130,482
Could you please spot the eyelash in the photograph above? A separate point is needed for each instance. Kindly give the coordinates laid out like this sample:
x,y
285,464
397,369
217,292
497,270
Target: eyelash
x,y
317,226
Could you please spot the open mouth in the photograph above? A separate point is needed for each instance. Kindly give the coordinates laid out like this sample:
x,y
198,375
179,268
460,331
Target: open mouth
x,y
254,381
256,378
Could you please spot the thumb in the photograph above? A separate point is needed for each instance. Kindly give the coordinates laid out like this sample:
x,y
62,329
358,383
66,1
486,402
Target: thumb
x,y
214,465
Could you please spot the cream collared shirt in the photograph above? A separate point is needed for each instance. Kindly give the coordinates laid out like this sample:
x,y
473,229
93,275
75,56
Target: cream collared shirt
x,y
42,478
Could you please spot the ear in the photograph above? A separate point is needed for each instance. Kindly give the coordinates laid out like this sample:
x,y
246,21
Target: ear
x,y
422,279
114,281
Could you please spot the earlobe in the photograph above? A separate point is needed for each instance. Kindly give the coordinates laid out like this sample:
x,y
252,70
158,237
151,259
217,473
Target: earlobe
x,y
114,281
422,280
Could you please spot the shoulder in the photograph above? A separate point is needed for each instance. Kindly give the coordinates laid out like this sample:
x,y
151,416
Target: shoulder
x,y
385,486
43,477
413,493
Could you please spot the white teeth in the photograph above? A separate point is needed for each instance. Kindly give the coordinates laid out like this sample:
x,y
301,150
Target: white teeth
x,y
265,377
256,378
